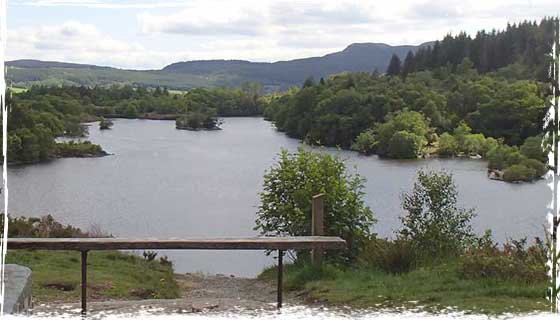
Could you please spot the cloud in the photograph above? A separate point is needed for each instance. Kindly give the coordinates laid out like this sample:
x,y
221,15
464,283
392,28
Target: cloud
x,y
205,19
252,30
82,43
100,4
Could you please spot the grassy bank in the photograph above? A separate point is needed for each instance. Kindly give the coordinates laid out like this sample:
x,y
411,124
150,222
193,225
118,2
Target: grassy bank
x,y
111,275
434,288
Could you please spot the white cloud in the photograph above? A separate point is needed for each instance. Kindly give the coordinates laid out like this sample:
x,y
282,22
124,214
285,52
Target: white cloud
x,y
101,4
254,30
82,43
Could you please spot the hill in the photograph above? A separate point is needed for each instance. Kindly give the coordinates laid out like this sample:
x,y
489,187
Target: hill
x,y
208,73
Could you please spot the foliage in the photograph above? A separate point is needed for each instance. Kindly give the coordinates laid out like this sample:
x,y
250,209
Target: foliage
x,y
433,223
524,45
390,256
195,120
515,261
289,186
436,289
78,149
518,172
447,145
394,67
105,124
365,142
532,148
479,106
44,227
405,145
403,135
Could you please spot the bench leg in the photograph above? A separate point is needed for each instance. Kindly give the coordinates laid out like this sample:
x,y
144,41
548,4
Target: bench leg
x,y
84,282
279,282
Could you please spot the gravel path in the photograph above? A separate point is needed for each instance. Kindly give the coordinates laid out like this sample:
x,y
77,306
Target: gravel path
x,y
199,293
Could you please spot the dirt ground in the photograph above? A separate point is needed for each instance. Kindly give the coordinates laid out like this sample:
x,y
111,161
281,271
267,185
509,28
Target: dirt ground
x,y
199,293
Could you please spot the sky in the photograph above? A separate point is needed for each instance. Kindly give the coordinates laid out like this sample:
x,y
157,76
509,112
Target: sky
x,y
144,34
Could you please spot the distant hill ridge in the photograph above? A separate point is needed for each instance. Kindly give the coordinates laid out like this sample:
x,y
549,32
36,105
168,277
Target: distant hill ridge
x,y
183,75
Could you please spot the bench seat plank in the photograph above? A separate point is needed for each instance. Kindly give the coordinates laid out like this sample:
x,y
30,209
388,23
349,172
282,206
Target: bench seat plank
x,y
264,243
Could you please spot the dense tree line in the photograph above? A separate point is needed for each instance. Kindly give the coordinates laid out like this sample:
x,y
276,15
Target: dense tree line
x,y
521,51
415,116
130,102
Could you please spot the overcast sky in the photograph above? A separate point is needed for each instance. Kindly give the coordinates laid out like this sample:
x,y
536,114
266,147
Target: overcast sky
x,y
149,34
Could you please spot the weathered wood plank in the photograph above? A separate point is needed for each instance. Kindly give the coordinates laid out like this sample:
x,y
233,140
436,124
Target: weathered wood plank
x,y
264,243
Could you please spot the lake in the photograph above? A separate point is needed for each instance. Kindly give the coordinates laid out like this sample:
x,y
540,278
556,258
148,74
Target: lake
x,y
163,182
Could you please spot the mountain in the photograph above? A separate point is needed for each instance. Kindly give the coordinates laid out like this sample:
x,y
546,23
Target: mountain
x,y
184,75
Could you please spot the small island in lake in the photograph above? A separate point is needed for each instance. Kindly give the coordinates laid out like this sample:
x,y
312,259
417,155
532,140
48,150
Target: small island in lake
x,y
81,149
105,124
196,120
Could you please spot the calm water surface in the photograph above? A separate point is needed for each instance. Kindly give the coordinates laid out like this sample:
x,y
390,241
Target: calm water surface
x,y
163,182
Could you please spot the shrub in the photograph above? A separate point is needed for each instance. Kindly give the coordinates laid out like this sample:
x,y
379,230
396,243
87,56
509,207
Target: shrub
x,y
288,189
409,121
514,157
105,124
447,145
497,157
514,262
540,168
405,145
518,172
532,149
44,227
433,223
365,142
474,144
395,257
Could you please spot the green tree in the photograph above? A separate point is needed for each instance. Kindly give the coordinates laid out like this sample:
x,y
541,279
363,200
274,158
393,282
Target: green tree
x,y
394,68
532,148
447,145
405,145
365,142
291,183
433,222
408,121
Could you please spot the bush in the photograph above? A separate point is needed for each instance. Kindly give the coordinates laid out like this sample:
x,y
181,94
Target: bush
x,y
288,189
514,262
447,145
105,124
497,157
518,172
365,142
78,149
408,121
44,227
474,144
532,149
395,257
540,168
405,145
433,224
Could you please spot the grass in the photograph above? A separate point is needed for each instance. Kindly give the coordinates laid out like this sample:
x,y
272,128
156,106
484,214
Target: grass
x,y
17,90
111,275
432,288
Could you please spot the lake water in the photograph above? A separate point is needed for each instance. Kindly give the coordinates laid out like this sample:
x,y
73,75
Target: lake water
x,y
163,182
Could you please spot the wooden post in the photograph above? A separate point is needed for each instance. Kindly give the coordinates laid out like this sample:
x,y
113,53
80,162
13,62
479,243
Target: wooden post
x,y
317,226
279,281
84,282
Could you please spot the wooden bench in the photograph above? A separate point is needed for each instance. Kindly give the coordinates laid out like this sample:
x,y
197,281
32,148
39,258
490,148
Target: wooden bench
x,y
315,243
